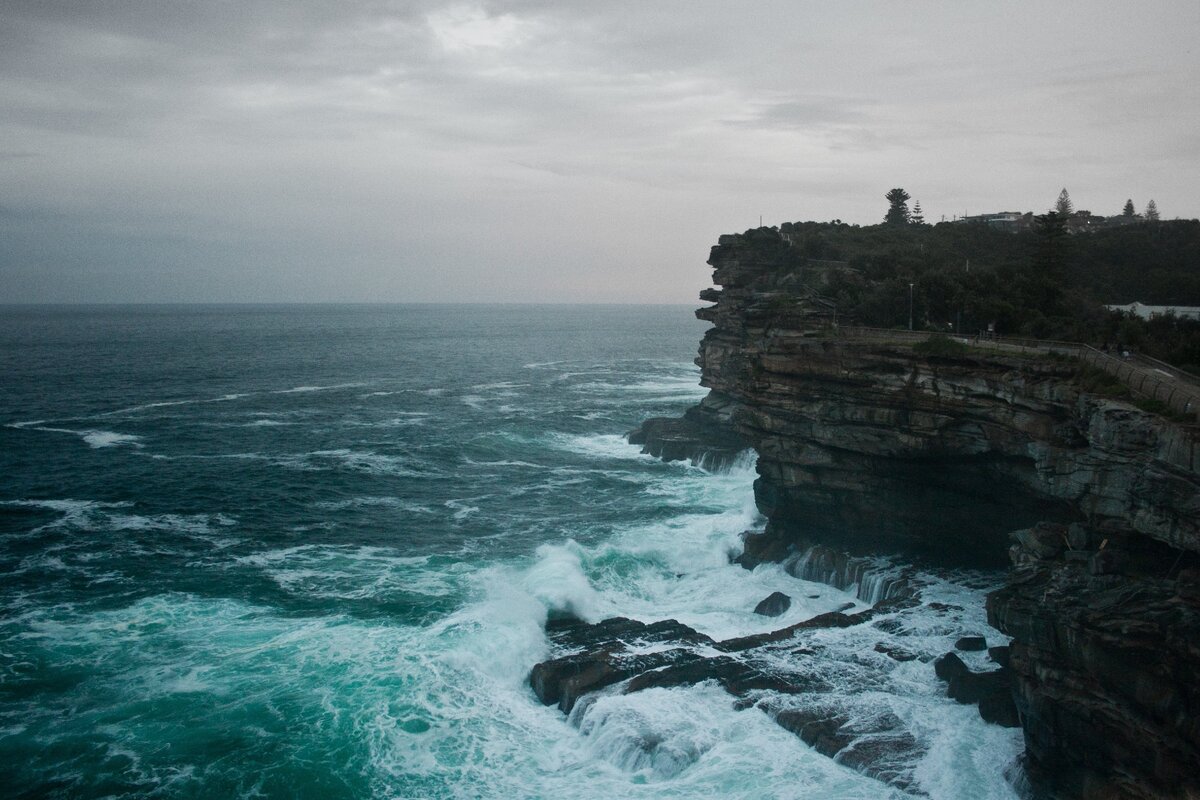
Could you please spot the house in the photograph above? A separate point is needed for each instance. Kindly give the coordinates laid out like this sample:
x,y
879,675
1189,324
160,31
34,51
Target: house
x,y
1149,312
1011,221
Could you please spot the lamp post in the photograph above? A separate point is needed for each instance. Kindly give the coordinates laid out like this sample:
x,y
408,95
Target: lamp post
x,y
910,306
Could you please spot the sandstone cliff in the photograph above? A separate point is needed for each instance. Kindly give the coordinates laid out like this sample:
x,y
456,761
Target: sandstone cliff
x,y
967,455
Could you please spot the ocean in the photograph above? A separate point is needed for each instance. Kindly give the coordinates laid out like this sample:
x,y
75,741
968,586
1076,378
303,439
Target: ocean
x,y
308,551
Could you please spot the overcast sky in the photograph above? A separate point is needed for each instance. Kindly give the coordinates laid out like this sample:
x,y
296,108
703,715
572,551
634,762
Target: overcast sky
x,y
549,151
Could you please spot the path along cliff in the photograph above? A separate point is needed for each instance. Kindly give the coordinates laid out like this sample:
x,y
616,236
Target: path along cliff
x,y
971,455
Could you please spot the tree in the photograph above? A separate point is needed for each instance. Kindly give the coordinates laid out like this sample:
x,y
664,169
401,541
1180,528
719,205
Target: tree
x,y
1063,205
1128,210
1049,256
918,218
898,210
1152,211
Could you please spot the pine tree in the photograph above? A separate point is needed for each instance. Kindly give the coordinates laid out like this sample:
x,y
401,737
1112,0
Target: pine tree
x,y
1152,211
917,218
898,210
1063,205
1128,210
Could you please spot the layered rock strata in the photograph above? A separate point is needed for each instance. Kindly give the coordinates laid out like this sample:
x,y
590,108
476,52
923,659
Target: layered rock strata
x,y
980,457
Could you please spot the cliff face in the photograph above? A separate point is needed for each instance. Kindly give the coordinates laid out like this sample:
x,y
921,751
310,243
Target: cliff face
x,y
976,456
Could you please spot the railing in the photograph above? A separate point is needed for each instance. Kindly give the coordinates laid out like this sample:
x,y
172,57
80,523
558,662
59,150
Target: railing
x,y
1177,389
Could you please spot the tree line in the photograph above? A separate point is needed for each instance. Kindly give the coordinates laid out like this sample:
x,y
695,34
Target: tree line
x,y
1041,283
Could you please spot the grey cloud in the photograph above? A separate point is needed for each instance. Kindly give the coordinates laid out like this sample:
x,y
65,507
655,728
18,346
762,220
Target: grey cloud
x,y
239,150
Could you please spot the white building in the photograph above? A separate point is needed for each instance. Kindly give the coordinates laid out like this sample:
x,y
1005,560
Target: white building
x,y
1146,312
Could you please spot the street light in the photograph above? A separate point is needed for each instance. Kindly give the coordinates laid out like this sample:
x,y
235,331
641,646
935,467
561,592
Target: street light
x,y
910,304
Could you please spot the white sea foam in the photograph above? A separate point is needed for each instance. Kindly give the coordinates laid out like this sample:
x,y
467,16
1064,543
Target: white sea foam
x,y
94,438
605,445
347,572
361,461
371,501
99,439
462,508
304,389
483,387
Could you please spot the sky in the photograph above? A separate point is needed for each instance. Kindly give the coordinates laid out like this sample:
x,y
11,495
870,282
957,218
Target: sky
x,y
539,151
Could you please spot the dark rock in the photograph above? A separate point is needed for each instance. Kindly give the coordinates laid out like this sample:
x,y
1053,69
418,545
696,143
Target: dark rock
x,y
942,608
819,729
998,708
895,653
890,625
760,547
572,633
949,667
971,644
999,655
1106,562
701,438
971,687
736,676
1044,540
1080,538
1187,585
773,605
1103,669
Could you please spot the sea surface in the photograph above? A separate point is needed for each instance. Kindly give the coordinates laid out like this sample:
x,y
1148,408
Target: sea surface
x,y
307,552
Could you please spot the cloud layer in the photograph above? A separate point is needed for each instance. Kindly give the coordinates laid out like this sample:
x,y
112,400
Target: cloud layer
x,y
555,151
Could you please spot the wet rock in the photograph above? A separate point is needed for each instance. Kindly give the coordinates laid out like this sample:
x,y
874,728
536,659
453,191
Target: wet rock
x,y
773,605
1187,585
1044,540
942,608
818,728
998,708
1106,562
999,655
760,547
895,653
971,687
971,644
882,748
698,437
949,667
1080,537
1104,680
572,633
762,671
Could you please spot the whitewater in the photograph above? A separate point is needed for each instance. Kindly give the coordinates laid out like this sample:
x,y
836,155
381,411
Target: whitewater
x,y
309,552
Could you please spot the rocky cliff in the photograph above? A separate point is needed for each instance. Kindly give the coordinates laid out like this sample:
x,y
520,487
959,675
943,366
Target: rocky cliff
x,y
945,451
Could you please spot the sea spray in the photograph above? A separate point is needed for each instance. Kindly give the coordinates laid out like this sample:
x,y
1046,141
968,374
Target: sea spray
x,y
345,606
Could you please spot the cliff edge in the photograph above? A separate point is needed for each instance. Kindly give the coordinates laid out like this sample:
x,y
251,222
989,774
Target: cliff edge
x,y
872,441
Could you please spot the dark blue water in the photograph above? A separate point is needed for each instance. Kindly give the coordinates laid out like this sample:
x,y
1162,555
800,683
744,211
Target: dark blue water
x,y
307,551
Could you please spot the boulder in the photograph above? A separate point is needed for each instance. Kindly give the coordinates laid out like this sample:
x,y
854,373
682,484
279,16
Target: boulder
x,y
998,708
773,605
971,644
971,687
999,655
949,667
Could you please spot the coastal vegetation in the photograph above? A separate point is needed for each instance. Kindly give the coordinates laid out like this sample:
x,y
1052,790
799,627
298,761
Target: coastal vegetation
x,y
1043,282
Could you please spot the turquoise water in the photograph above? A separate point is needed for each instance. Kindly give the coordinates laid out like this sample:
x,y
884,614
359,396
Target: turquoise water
x,y
308,552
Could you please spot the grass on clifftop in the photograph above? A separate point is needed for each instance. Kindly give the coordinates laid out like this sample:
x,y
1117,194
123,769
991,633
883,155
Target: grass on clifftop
x,y
940,344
